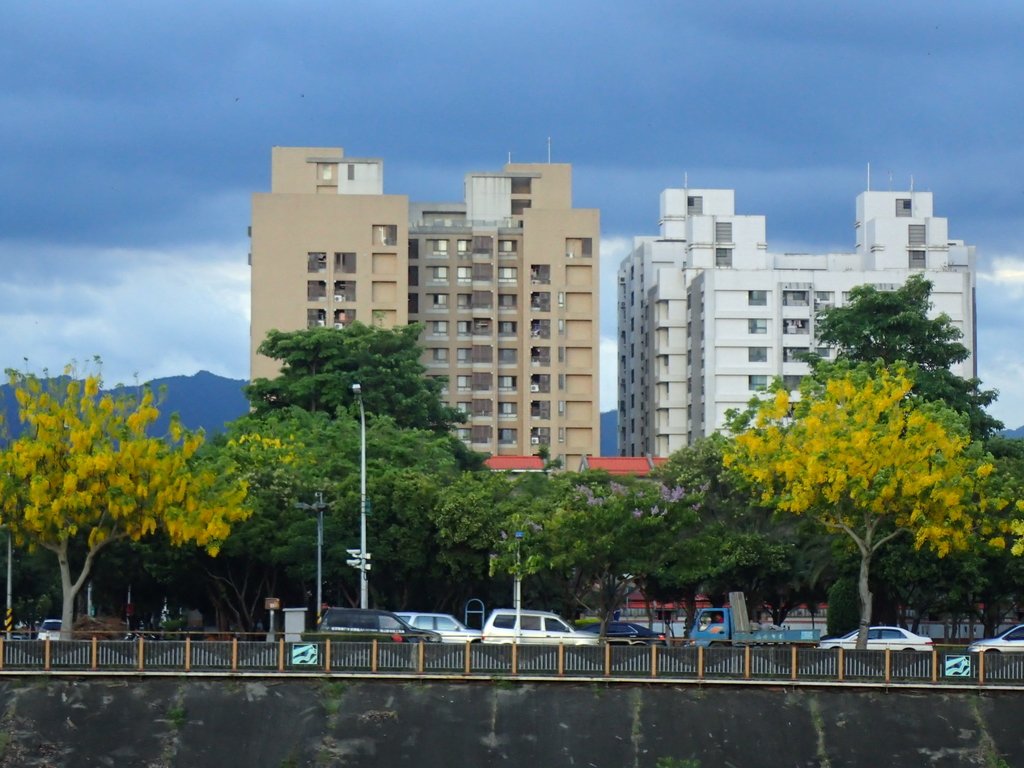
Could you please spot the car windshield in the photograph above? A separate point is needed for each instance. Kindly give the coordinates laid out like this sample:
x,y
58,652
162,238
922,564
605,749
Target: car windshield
x,y
51,624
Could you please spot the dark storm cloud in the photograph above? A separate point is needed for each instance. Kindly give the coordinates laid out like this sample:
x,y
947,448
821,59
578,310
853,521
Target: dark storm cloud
x,y
132,135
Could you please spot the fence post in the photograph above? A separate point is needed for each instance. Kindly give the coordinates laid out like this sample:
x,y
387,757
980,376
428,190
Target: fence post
x,y
280,652
561,659
46,655
842,664
700,662
888,665
142,654
981,668
607,658
327,657
935,665
792,662
234,654
421,653
188,653
467,668
373,655
746,662
654,660
94,653
515,658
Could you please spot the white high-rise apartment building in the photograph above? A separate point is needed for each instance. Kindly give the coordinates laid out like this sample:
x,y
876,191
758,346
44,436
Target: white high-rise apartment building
x,y
708,316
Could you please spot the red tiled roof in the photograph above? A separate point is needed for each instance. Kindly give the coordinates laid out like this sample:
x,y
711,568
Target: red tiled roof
x,y
621,465
515,463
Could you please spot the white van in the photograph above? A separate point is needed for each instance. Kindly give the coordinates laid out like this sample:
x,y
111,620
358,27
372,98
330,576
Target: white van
x,y
534,627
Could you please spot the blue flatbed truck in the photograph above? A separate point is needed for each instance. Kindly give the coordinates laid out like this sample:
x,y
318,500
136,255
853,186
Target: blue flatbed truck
x,y
730,625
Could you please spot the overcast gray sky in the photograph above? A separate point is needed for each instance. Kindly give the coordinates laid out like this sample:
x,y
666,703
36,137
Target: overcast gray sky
x,y
132,135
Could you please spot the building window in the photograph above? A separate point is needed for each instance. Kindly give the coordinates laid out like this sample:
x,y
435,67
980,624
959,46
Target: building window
x,y
792,383
916,234
694,205
723,231
757,325
463,300
439,300
439,327
316,262
757,298
462,406
507,300
506,383
463,328
757,383
903,206
796,327
439,274
464,275
723,257
506,436
506,246
823,299
463,246
439,355
507,274
464,354
507,356
793,354
757,354
506,409
917,260
438,246
794,298
463,384
507,328
385,234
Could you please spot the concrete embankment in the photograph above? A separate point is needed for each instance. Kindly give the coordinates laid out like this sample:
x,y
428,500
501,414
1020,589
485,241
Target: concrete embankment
x,y
292,723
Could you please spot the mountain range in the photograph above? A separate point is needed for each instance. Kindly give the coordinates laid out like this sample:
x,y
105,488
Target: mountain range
x,y
209,402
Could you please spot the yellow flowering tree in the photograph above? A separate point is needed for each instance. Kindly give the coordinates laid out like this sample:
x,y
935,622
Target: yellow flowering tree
x,y
84,470
857,453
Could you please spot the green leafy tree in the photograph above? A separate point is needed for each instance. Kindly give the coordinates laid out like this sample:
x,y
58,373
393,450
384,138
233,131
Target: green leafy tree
x,y
895,327
320,365
84,474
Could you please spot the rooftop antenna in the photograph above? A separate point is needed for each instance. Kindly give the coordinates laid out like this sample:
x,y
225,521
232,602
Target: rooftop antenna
x,y
549,150
686,180
510,157
911,183
890,181
869,177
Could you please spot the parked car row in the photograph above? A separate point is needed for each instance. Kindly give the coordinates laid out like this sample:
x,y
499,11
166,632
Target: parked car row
x,y
501,627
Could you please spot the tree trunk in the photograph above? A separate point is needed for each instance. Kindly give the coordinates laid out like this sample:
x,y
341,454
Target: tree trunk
x,y
865,598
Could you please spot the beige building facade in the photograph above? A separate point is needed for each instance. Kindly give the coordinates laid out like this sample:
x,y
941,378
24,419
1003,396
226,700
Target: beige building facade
x,y
505,284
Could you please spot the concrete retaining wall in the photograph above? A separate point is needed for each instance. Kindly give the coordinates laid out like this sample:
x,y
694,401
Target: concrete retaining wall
x,y
229,723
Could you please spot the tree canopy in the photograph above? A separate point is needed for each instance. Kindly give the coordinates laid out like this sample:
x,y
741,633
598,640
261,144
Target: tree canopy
x,y
869,462
85,472
894,327
320,365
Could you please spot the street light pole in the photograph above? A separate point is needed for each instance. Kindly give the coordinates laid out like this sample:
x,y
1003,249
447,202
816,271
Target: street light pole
x,y
318,506
364,568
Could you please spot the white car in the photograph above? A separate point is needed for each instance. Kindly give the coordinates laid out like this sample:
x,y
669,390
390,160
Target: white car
x,y
447,626
538,627
1010,641
880,638
49,630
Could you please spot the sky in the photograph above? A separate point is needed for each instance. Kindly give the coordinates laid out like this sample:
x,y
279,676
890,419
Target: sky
x,y
132,136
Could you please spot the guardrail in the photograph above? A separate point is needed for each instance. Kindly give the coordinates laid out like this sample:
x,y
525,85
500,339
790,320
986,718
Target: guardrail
x,y
672,663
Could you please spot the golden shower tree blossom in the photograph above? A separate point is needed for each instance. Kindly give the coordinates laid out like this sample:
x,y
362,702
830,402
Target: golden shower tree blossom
x,y
85,470
862,457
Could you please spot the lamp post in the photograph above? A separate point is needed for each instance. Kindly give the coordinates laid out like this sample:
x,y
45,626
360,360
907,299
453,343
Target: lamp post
x,y
318,507
364,556
517,591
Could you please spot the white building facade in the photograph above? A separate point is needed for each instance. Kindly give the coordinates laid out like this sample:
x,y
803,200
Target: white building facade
x,y
708,316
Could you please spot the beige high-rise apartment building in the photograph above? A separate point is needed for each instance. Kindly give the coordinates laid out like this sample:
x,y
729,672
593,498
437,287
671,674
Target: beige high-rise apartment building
x,y
505,284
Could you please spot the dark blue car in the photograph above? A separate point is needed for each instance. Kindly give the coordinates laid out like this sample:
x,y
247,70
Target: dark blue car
x,y
627,632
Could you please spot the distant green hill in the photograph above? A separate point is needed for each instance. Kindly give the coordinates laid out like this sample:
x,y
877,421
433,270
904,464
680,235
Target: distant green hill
x,y
201,401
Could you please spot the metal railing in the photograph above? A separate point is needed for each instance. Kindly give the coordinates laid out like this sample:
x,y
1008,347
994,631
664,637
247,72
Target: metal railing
x,y
771,664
